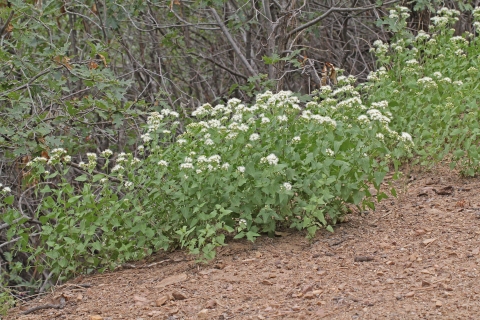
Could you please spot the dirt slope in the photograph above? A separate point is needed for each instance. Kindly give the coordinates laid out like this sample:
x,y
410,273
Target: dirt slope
x,y
415,257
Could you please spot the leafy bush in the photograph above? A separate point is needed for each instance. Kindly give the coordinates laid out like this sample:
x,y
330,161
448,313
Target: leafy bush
x,y
236,170
430,80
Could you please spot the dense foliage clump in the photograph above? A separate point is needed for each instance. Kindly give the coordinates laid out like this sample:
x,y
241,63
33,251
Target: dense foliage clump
x,y
111,179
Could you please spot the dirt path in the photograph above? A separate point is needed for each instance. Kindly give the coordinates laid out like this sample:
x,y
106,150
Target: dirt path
x,y
415,257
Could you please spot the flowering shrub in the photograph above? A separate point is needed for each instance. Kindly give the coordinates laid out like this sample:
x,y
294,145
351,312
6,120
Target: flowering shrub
x,y
238,169
430,80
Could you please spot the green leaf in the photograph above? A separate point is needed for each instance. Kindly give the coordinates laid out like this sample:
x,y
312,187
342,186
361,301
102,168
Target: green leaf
x,y
81,178
9,200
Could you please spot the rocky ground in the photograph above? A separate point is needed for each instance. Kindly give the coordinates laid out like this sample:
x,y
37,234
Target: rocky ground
x,y
415,257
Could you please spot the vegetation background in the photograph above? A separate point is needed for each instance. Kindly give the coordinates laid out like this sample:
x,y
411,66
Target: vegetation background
x,y
82,77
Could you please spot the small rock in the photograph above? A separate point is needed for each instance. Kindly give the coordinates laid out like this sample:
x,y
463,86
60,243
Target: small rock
x,y
96,317
309,295
420,232
161,301
211,304
140,300
428,241
425,283
317,292
260,317
390,281
203,314
296,308
173,279
79,297
266,282
178,295
390,263
307,288
438,304
410,294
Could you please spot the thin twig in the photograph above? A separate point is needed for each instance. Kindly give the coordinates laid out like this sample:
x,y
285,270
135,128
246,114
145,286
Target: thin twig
x,y
61,305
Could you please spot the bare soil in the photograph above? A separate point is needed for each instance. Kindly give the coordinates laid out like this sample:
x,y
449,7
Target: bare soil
x,y
415,257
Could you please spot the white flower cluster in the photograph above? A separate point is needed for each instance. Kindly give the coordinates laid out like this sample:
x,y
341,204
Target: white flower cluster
x,y
117,168
363,119
329,152
57,155
163,163
285,100
146,137
422,36
446,80
354,102
476,13
169,113
307,115
405,137
380,47
427,82
296,140
154,121
378,116
380,104
270,159
445,16
107,153
5,190
459,40
254,137
286,186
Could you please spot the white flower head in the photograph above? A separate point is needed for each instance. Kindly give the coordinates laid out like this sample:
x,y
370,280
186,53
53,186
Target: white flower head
x,y
241,169
146,137
329,152
286,186
186,165
270,159
163,163
254,137
117,168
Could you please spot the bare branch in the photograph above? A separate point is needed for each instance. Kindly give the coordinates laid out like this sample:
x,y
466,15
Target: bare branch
x,y
232,42
335,9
